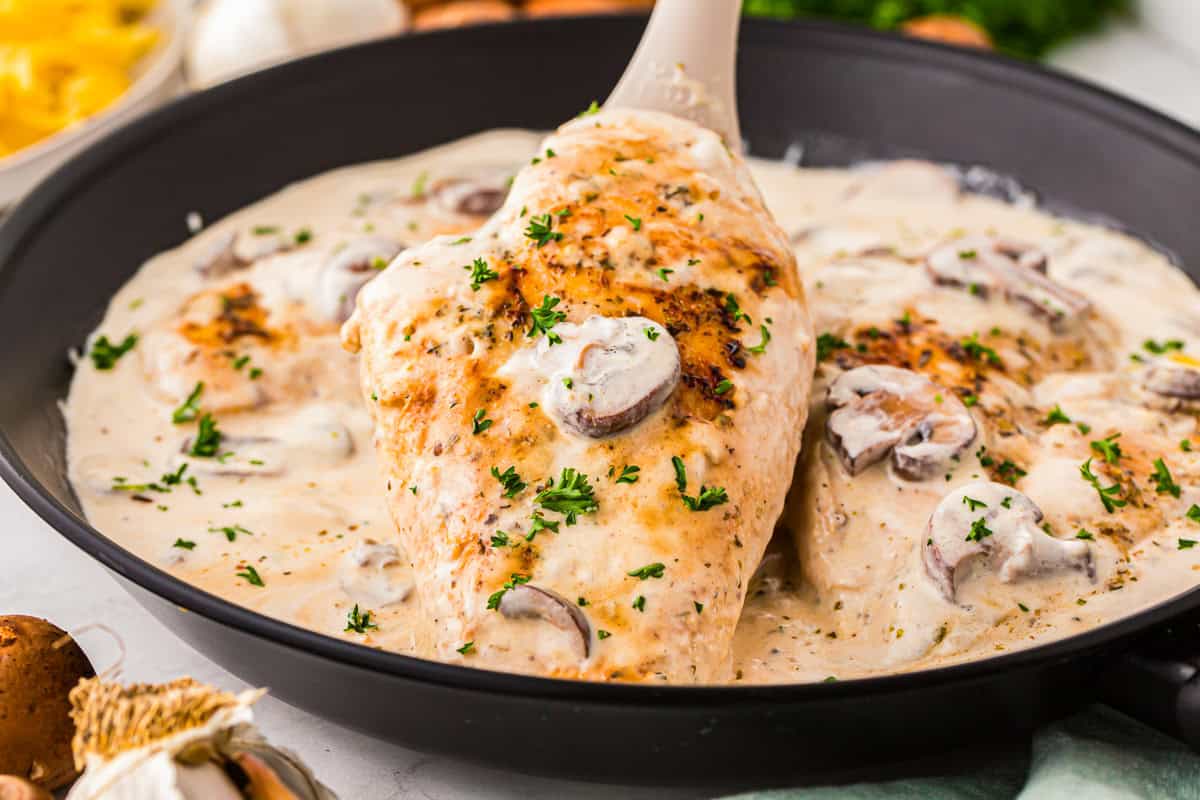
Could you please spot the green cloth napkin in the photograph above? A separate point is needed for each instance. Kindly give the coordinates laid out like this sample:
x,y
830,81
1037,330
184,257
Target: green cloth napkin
x,y
1099,754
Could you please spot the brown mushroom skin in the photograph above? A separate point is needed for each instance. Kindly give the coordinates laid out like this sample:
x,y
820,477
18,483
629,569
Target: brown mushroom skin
x,y
526,601
479,196
1172,384
14,788
39,665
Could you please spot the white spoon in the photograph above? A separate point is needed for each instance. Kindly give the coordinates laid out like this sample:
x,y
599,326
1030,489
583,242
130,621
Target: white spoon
x,y
685,65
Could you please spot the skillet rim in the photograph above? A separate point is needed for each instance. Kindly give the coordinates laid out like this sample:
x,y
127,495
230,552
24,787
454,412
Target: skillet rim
x,y
1048,84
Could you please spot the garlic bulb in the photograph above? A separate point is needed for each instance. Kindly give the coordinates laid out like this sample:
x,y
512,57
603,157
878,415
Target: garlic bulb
x,y
233,37
178,741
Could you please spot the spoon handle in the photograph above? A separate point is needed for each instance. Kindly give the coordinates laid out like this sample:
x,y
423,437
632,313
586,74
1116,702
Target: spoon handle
x,y
686,65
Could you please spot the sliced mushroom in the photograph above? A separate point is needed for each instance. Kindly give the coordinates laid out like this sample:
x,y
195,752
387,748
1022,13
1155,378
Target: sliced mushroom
x,y
1001,526
373,574
989,266
259,243
1172,382
879,409
905,180
347,271
607,374
528,601
477,196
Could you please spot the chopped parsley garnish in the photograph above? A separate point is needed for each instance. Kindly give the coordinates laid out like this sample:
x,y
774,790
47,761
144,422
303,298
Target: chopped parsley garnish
x,y
190,408
640,603
1056,417
1187,544
105,354
636,222
972,504
1158,349
1193,513
629,474
544,318
1009,472
538,523
581,602
664,273
572,496
594,108
359,621
827,343
510,480
979,531
970,400
500,539
541,230
515,580
1108,496
480,273
1084,428
480,423
709,497
761,347
231,531
967,254
735,311
652,334
264,230
1007,502
455,243
980,351
303,236
602,634
466,648
724,387
255,373
1109,448
184,544
208,438
1185,445
1084,533
568,382
418,186
251,575
654,570
1163,482
699,606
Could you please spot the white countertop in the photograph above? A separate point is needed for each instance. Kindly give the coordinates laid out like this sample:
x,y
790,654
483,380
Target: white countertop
x,y
45,576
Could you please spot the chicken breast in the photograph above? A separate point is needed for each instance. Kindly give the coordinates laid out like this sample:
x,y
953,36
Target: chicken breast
x,y
588,412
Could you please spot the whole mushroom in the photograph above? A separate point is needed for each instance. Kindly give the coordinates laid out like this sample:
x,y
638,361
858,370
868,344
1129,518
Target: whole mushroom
x,y
986,266
880,409
39,665
995,523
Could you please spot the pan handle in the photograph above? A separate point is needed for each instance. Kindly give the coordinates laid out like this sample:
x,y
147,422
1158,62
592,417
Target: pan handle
x,y
1158,682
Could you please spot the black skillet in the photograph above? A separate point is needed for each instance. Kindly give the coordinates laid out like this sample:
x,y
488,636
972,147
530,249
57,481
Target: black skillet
x,y
77,238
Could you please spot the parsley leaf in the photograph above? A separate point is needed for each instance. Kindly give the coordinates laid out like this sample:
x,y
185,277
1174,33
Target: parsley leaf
x,y
735,311
545,318
541,230
1056,417
500,539
972,504
479,423
654,570
1193,513
480,273
231,531
1084,533
979,531
652,334
251,575
1163,482
359,622
510,480
761,347
1158,349
827,343
539,524
184,544
709,497
1108,496
1187,544
208,438
515,580
105,354
190,408
980,351
640,603
466,648
636,222
1109,448
572,496
629,474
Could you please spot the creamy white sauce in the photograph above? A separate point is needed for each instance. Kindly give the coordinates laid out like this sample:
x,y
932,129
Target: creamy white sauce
x,y
295,492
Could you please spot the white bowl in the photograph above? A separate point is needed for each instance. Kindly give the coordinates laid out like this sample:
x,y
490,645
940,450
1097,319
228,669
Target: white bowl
x,y
159,78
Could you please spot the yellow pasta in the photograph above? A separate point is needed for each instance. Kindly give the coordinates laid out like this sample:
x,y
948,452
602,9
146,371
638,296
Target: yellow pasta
x,y
61,61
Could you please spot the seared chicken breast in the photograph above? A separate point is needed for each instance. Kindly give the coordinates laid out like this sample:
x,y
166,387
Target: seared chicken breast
x,y
588,411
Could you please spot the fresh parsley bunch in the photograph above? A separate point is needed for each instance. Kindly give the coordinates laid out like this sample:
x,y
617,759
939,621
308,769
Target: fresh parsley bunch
x,y
1026,28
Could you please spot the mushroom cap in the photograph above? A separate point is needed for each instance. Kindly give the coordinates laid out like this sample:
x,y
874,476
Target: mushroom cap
x,y
373,574
346,272
995,522
526,601
879,409
1173,381
39,665
479,195
987,266
607,374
